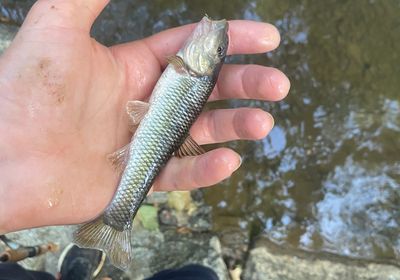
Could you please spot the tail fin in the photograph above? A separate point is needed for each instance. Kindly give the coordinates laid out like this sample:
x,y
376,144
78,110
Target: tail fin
x,y
116,244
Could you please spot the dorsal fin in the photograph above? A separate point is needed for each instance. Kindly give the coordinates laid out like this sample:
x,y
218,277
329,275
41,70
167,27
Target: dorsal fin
x,y
178,63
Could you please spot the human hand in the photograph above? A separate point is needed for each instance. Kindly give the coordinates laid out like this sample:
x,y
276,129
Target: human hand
x,y
62,110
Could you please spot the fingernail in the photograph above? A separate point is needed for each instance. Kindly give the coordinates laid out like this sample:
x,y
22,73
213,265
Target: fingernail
x,y
284,86
263,121
271,38
267,41
281,83
233,166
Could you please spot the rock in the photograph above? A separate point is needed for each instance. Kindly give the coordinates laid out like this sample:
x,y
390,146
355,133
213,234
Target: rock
x,y
268,261
61,235
154,251
7,33
183,212
167,217
157,198
234,239
235,244
181,201
145,245
197,196
178,250
181,207
200,219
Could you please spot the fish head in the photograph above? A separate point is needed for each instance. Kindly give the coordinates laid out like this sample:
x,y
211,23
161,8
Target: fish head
x,y
205,49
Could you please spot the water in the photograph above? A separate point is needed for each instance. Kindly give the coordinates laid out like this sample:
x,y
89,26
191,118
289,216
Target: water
x,y
327,178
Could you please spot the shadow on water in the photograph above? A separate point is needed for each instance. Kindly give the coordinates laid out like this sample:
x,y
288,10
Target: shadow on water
x,y
327,178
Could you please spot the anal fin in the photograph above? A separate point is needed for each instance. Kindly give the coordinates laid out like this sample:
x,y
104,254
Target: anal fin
x,y
180,65
189,148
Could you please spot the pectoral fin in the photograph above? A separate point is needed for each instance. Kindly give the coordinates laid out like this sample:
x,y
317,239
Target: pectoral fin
x,y
178,63
189,148
119,159
136,110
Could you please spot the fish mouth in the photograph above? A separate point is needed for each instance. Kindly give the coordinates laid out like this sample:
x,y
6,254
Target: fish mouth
x,y
208,25
208,18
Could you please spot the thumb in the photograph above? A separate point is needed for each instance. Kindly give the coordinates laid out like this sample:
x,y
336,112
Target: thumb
x,y
64,13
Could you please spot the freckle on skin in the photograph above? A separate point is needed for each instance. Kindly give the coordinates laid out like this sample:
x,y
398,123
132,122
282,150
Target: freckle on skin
x,y
59,92
50,81
60,99
44,63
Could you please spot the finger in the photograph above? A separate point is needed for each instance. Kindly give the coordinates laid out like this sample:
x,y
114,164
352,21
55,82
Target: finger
x,y
231,124
245,37
201,171
251,82
64,13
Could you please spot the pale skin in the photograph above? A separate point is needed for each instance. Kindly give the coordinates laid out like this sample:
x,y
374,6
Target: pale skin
x,y
62,111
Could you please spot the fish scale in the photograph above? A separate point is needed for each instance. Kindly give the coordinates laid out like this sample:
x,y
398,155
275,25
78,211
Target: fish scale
x,y
160,133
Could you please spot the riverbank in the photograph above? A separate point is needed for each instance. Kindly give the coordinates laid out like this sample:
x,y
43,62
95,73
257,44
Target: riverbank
x,y
173,230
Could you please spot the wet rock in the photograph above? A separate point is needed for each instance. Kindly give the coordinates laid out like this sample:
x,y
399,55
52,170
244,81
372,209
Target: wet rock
x,y
167,217
7,33
200,219
197,195
234,239
181,217
235,243
269,261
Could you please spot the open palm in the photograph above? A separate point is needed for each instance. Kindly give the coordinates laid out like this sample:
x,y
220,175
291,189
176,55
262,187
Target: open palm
x,y
62,110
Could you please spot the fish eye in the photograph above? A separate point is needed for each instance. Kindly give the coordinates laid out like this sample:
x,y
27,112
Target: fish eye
x,y
220,51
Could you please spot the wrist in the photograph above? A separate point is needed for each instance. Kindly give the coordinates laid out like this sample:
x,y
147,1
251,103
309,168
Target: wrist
x,y
10,153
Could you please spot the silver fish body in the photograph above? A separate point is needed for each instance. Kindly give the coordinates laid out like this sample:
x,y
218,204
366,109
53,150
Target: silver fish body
x,y
177,100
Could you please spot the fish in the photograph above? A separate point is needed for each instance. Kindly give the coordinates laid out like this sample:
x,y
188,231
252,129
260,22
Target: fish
x,y
163,125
